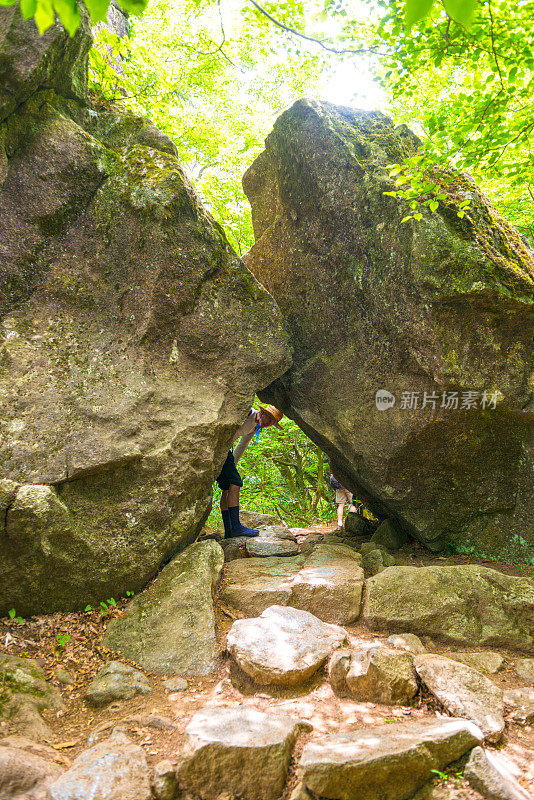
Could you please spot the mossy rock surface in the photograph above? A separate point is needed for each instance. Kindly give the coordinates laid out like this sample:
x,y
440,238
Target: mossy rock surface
x,y
418,309
132,339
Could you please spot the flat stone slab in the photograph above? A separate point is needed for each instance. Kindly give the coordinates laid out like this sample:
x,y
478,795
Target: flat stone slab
x,y
383,762
170,628
283,646
328,583
116,681
115,769
522,704
488,774
237,752
253,584
464,604
376,675
271,543
464,692
525,669
485,660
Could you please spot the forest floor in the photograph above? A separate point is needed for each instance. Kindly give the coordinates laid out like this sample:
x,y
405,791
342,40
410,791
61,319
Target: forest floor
x,y
157,720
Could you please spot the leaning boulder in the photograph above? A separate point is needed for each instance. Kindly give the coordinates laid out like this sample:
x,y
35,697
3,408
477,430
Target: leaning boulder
x,y
431,317
464,692
132,338
383,762
170,628
237,752
283,646
464,604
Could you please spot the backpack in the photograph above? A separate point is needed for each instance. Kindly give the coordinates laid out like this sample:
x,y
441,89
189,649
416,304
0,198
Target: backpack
x,y
334,483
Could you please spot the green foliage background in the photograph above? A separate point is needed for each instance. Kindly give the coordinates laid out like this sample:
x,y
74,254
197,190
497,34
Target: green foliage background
x,y
284,474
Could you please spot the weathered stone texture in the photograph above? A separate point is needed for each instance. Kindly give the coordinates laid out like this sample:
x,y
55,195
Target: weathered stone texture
x,y
132,338
440,305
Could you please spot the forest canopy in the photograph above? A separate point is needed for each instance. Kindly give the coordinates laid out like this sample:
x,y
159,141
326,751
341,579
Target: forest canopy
x,y
214,75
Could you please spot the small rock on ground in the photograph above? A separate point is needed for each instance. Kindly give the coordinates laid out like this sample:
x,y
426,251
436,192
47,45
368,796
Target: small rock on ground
x,y
237,752
407,641
464,692
269,542
389,535
63,676
522,703
283,646
525,669
484,661
383,762
488,775
116,681
176,684
377,675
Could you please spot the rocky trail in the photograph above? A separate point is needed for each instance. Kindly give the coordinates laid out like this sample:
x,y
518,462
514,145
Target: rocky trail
x,y
290,703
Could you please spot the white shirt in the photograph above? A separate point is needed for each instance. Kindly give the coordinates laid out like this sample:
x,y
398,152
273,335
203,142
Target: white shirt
x,y
245,434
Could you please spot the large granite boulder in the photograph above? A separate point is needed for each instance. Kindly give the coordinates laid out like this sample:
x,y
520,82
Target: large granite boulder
x,y
465,604
170,627
132,338
443,305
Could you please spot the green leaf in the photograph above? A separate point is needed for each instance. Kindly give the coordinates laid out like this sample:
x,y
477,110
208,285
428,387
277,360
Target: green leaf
x,y
433,205
415,10
69,15
406,218
7,2
133,6
390,194
460,11
418,216
98,10
12,613
44,15
27,8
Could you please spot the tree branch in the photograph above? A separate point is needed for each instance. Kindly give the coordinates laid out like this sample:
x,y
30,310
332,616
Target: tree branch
x,y
312,39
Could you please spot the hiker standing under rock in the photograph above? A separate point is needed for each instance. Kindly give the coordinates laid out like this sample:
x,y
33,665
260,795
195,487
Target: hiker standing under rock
x,y
342,496
230,481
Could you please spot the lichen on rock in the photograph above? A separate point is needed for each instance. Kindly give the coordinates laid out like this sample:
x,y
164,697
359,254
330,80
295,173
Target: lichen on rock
x,y
437,306
132,338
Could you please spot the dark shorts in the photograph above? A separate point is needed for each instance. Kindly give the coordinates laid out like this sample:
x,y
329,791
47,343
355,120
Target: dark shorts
x,y
229,474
